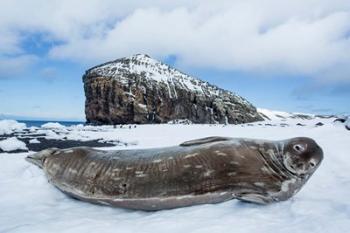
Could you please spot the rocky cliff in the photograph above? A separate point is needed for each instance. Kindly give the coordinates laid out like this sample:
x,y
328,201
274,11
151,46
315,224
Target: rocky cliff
x,y
139,89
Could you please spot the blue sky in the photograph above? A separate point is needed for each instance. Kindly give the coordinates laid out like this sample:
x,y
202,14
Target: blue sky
x,y
296,61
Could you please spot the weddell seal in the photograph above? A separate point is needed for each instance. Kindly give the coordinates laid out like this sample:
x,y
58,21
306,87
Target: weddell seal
x,y
207,170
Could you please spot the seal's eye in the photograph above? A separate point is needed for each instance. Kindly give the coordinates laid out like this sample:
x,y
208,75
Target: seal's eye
x,y
298,148
312,164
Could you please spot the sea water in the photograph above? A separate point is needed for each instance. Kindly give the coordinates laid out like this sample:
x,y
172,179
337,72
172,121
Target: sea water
x,y
38,123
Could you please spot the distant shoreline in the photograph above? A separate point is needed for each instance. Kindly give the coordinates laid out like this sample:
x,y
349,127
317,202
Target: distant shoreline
x,y
38,123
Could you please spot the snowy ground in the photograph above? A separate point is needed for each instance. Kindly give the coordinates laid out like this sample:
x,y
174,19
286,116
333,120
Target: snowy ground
x,y
29,203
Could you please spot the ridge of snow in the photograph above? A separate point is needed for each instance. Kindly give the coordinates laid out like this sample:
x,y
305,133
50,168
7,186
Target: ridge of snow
x,y
272,114
279,115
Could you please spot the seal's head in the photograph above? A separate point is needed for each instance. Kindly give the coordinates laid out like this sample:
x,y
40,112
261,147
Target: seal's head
x,y
39,158
302,156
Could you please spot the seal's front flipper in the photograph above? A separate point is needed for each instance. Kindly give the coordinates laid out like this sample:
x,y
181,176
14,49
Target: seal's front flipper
x,y
204,141
253,198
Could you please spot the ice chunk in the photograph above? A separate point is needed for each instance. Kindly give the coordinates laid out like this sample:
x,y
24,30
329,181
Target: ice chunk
x,y
52,125
8,126
11,144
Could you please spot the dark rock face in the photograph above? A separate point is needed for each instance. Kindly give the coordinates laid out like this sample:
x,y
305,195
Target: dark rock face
x,y
141,90
347,123
319,124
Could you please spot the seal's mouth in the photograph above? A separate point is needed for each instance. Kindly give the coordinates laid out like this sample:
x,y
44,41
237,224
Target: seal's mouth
x,y
296,167
290,168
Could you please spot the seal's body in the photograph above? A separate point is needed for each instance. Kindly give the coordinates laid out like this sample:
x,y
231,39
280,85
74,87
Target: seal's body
x,y
208,170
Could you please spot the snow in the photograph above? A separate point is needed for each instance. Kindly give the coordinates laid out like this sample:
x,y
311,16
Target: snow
x,y
52,125
272,115
279,115
34,140
9,126
143,106
180,121
11,144
29,203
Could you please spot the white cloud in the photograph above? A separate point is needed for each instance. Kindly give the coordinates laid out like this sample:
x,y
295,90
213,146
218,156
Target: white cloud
x,y
9,42
303,37
10,66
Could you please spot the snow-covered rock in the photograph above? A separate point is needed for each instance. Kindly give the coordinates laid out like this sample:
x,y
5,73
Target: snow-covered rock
x,y
8,126
139,89
52,125
347,123
11,144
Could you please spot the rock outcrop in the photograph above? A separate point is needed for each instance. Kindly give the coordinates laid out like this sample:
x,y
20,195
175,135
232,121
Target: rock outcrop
x,y
347,123
139,89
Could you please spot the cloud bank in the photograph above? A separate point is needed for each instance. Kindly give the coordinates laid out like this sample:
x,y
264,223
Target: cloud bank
x,y
309,37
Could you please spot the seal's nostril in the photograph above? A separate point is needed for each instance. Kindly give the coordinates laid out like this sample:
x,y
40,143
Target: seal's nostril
x,y
298,148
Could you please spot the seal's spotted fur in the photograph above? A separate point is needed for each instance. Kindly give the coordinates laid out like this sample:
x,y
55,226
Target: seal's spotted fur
x,y
208,170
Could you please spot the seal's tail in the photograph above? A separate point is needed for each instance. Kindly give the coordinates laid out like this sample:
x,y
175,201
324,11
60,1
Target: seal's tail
x,y
39,157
